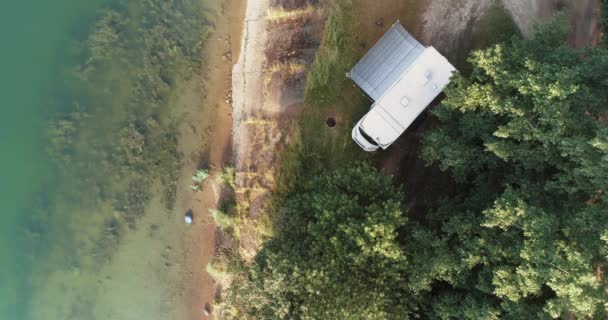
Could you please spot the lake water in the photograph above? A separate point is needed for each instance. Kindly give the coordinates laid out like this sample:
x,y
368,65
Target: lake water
x,y
34,35
40,238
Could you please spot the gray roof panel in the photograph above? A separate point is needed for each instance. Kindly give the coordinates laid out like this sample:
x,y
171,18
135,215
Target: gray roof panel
x,y
386,61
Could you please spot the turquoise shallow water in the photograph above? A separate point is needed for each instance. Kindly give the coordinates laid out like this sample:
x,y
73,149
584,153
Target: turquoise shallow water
x,y
34,36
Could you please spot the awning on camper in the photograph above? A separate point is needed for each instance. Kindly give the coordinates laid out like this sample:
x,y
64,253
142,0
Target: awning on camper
x,y
386,61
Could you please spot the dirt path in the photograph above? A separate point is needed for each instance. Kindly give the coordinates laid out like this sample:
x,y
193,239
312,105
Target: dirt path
x,y
268,85
248,106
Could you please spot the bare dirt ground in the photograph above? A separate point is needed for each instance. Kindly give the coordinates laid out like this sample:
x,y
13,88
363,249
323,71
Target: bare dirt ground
x,y
444,21
268,86
583,15
527,13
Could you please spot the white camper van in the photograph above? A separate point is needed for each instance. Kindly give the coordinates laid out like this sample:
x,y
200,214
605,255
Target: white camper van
x,y
402,77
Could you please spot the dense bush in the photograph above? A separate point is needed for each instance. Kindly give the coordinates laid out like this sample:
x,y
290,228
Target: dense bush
x,y
339,259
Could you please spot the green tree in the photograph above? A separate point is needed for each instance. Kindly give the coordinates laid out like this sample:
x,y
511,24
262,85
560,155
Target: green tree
x,y
338,258
525,135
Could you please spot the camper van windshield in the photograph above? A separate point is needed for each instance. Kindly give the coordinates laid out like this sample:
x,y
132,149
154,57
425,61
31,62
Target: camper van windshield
x,y
367,138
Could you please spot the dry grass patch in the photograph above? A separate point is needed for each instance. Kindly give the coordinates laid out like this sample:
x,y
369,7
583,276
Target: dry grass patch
x,y
257,121
218,270
285,70
289,68
276,14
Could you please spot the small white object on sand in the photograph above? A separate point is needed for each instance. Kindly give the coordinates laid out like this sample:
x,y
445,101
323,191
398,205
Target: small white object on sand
x,y
189,217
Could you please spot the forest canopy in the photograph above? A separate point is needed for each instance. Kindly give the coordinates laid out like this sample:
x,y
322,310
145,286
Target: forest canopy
x,y
525,136
524,236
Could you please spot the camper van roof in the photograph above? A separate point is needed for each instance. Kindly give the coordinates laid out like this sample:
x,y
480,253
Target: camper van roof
x,y
386,61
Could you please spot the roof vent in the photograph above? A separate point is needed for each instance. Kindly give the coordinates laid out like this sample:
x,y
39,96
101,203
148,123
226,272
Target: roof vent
x,y
428,75
404,101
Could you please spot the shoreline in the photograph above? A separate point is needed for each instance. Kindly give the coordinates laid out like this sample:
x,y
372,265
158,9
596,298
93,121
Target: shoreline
x,y
199,240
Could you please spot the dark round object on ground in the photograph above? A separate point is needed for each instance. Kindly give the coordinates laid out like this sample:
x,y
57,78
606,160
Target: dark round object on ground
x,y
207,310
331,122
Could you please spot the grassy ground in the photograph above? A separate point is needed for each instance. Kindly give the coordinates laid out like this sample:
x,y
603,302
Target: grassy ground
x,y
312,145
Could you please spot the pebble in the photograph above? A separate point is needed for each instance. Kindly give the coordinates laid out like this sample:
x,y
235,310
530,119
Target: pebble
x,y
207,310
189,217
227,57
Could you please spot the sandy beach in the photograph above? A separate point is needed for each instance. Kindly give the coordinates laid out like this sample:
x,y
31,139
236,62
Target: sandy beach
x,y
199,241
